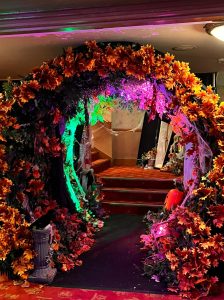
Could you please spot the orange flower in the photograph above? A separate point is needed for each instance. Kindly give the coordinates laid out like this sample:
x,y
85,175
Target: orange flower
x,y
18,240
5,187
168,58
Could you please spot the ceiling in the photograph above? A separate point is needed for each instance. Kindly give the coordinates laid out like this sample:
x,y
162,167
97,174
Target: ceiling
x,y
33,32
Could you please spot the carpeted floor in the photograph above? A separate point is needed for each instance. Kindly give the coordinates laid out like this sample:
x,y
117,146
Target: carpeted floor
x,y
36,292
115,262
135,172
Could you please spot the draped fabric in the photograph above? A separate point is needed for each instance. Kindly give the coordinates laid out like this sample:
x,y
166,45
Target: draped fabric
x,y
85,149
165,134
197,163
86,173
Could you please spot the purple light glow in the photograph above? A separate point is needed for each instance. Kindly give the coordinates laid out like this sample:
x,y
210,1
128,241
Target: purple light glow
x,y
86,30
140,92
143,93
34,34
60,33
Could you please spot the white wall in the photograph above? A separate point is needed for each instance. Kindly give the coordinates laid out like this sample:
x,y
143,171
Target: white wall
x,y
116,139
102,138
125,145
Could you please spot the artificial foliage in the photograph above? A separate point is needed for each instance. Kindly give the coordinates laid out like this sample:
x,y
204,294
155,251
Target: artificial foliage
x,y
41,108
16,243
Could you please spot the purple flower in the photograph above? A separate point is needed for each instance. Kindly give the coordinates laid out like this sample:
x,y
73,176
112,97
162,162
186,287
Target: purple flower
x,y
156,278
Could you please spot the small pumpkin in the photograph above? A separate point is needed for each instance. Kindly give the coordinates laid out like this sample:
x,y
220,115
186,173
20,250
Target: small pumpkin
x,y
173,198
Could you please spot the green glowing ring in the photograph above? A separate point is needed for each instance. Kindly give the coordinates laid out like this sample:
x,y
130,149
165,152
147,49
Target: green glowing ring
x,y
68,139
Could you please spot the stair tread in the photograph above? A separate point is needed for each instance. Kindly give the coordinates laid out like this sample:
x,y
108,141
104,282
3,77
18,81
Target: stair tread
x,y
135,190
94,152
100,160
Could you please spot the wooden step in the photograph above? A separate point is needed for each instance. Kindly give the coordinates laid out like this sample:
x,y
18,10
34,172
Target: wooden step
x,y
147,183
100,165
134,194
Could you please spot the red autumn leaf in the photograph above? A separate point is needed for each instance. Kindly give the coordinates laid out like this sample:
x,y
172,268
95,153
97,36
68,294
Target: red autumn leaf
x,y
16,126
45,141
21,196
56,116
36,173
190,182
186,269
38,212
35,186
2,138
217,211
55,146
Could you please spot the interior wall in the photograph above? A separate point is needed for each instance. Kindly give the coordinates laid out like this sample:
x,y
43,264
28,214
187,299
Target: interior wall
x,y
102,138
119,139
125,142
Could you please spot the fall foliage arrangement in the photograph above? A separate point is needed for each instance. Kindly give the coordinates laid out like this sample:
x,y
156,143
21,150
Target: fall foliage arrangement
x,y
184,245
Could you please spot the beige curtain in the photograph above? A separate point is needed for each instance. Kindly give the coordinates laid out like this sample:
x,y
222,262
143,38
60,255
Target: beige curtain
x,y
163,143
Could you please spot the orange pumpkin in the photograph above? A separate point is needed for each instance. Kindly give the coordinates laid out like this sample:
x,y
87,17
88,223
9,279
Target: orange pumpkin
x,y
173,198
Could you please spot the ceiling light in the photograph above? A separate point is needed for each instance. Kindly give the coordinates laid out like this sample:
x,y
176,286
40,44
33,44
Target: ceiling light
x,y
216,29
184,47
221,60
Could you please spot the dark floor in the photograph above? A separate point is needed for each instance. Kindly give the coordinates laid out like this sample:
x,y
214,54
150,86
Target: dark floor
x,y
115,262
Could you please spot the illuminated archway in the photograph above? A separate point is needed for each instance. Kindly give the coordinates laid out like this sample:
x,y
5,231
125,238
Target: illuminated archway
x,y
53,96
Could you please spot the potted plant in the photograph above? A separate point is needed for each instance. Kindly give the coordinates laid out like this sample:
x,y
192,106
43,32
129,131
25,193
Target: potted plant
x,y
148,158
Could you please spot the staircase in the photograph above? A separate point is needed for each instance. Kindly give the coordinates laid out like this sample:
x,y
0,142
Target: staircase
x,y
99,161
134,195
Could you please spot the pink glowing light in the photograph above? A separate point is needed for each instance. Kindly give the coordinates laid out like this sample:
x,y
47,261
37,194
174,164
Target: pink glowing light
x,y
159,230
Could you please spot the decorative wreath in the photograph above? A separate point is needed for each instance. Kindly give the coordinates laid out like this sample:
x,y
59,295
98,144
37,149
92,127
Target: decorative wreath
x,y
39,121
